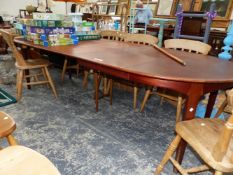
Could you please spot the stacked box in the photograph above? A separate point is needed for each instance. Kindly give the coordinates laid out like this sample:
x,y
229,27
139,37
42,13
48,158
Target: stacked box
x,y
48,29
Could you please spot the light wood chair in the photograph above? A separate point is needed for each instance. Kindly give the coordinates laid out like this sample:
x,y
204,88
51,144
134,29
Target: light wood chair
x,y
139,39
211,139
23,66
175,98
7,127
109,34
21,160
224,105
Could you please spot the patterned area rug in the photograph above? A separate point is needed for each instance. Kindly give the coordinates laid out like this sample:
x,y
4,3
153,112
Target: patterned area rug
x,y
79,141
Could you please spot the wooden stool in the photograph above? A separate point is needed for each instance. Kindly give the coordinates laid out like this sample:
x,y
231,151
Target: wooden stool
x,y
7,127
21,160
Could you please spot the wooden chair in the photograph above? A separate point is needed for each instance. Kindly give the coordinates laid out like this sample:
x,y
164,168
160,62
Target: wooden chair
x,y
17,159
225,106
21,160
23,66
7,127
139,39
182,45
211,139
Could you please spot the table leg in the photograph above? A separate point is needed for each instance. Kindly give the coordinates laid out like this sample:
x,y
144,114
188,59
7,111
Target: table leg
x,y
189,113
211,103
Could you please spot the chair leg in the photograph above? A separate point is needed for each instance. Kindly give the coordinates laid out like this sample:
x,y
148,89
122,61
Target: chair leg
x,y
171,149
50,81
19,84
105,83
85,79
96,80
135,96
64,70
221,109
11,140
218,173
147,94
110,91
179,109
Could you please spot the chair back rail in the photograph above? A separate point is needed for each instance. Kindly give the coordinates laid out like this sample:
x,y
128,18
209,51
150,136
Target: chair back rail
x,y
9,37
109,34
188,45
141,39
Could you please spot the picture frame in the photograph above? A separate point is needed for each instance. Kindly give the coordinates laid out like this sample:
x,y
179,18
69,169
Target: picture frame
x,y
103,9
164,8
112,9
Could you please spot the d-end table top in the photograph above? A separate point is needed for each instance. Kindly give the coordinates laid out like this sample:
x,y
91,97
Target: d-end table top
x,y
146,60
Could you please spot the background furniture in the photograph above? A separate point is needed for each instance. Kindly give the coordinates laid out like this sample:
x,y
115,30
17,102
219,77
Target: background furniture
x,y
179,23
210,138
162,22
23,66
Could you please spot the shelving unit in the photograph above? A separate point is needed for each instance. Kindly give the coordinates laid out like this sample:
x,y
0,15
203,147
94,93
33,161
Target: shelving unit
x,y
97,13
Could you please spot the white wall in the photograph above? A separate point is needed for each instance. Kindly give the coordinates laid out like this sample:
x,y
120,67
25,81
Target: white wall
x,y
12,7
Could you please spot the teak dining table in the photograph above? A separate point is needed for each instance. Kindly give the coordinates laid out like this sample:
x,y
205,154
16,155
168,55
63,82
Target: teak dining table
x,y
146,65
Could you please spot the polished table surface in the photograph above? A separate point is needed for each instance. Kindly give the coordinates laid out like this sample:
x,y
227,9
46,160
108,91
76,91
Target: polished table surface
x,y
144,64
146,61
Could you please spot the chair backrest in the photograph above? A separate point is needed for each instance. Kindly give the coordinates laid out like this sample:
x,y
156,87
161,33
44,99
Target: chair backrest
x,y
109,34
9,37
141,39
188,45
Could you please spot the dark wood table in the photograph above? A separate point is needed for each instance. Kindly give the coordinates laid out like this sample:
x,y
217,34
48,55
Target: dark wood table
x,y
144,64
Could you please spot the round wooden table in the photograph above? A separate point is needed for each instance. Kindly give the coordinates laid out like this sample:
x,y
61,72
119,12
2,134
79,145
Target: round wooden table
x,y
144,64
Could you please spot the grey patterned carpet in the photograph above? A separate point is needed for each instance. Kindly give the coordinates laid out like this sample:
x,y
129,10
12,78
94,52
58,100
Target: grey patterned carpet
x,y
79,141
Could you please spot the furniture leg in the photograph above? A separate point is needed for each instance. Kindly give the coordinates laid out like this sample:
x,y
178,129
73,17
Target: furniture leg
x,y
19,84
85,79
45,76
50,81
96,80
11,140
147,94
189,113
105,82
210,104
110,91
28,78
64,70
179,109
135,96
171,149
160,35
221,109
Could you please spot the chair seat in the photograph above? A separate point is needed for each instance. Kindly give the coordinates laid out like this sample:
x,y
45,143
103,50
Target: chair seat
x,y
33,64
204,143
7,124
21,160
